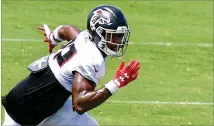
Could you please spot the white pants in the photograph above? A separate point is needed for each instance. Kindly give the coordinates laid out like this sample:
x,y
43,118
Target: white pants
x,y
64,116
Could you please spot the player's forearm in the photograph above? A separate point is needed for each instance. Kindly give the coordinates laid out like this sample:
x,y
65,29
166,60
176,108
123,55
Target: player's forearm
x,y
68,32
91,99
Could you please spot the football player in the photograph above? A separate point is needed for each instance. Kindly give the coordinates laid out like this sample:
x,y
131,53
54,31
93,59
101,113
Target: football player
x,y
42,98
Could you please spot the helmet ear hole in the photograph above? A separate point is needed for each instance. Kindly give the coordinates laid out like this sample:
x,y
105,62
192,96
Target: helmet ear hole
x,y
96,39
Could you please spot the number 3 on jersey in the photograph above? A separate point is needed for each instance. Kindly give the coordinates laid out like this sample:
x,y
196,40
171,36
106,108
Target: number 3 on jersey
x,y
65,54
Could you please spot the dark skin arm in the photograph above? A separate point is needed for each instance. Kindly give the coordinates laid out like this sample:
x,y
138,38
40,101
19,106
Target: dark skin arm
x,y
68,32
84,95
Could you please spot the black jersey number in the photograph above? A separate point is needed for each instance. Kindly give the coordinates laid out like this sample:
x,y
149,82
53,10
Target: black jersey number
x,y
66,53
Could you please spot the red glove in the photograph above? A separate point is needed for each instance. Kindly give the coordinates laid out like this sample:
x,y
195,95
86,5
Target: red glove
x,y
47,33
124,75
127,74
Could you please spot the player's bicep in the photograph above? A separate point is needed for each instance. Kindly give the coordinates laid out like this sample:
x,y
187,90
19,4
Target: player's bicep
x,y
80,86
80,82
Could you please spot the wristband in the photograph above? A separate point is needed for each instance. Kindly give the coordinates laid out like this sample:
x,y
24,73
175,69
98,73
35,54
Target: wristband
x,y
56,34
112,87
52,40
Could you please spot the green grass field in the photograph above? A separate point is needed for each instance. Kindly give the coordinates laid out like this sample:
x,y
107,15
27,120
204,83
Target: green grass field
x,y
180,72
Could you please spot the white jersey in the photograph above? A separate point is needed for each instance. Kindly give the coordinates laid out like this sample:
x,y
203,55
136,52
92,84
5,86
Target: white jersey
x,y
85,59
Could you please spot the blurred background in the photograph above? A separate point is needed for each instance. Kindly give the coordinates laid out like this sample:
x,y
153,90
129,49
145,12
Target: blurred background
x,y
173,40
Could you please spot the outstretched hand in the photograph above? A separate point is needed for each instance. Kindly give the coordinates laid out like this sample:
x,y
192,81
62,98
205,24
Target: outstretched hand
x,y
47,32
126,73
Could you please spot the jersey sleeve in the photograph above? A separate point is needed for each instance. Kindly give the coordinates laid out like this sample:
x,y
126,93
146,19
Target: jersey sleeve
x,y
88,67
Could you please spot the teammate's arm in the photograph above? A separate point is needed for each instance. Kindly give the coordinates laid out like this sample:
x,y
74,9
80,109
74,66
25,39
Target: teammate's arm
x,y
84,95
